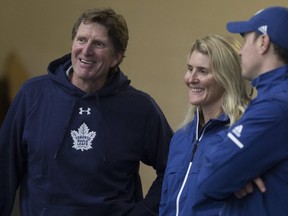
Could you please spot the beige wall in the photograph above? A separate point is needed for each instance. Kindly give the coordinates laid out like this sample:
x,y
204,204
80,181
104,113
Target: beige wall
x,y
35,32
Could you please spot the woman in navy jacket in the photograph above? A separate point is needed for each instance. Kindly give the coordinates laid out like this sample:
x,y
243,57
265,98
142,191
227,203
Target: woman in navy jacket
x,y
218,97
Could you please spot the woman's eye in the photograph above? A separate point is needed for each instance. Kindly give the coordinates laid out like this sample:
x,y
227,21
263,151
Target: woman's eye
x,y
190,69
202,71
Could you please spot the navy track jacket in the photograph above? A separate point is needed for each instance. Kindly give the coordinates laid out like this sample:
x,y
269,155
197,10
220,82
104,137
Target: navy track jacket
x,y
256,146
180,193
74,153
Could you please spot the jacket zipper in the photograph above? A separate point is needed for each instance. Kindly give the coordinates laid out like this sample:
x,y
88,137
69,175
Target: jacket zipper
x,y
195,146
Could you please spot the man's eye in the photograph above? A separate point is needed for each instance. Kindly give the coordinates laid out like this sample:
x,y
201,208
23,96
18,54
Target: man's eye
x,y
100,44
81,40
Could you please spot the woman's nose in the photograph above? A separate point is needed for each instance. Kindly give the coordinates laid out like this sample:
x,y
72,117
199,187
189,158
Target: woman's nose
x,y
193,76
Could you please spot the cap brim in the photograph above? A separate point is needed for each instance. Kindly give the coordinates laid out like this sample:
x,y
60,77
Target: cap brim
x,y
239,27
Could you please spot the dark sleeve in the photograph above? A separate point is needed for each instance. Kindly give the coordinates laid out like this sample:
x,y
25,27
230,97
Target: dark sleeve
x,y
246,152
158,134
11,155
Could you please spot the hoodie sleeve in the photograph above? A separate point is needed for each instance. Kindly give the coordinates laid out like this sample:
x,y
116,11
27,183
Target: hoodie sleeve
x,y
246,152
12,162
158,134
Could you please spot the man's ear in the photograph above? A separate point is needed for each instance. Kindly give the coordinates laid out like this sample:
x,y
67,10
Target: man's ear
x,y
264,41
117,58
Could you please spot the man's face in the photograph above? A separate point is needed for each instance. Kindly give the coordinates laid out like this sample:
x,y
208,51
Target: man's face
x,y
250,58
92,54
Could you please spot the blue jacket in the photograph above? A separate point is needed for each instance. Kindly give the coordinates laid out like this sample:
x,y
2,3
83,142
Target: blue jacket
x,y
257,145
180,192
74,153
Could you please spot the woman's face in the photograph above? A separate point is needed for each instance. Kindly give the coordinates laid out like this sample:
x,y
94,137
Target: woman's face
x,y
204,90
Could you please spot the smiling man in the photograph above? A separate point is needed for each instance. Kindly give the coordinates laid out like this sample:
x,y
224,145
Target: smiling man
x,y
73,139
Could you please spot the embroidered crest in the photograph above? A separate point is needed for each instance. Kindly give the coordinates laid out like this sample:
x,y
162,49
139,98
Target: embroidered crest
x,y
82,139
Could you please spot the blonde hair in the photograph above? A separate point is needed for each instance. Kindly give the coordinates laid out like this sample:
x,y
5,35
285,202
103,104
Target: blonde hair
x,y
226,67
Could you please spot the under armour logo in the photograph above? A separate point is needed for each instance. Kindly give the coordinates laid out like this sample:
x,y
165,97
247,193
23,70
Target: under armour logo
x,y
81,111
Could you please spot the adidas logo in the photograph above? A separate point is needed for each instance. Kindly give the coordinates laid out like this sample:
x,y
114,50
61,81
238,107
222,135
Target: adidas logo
x,y
263,29
237,130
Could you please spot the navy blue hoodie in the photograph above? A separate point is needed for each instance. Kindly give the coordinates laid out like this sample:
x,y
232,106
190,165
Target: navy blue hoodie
x,y
74,153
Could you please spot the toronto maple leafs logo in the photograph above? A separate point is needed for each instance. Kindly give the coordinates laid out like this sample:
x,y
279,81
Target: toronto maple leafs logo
x,y
82,139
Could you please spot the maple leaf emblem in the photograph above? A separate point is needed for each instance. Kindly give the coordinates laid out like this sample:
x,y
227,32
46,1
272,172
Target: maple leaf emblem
x,y
82,139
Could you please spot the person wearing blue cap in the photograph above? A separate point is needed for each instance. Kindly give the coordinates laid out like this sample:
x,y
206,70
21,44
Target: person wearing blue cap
x,y
256,145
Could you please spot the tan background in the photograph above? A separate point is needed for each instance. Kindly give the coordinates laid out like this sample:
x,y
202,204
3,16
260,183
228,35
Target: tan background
x,y
34,32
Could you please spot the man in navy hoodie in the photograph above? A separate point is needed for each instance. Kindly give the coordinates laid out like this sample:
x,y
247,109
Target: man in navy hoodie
x,y
73,139
257,145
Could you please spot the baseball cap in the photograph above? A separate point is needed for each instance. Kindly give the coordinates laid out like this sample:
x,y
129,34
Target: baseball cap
x,y
272,21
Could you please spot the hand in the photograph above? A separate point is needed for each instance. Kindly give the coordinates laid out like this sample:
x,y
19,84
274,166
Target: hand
x,y
249,188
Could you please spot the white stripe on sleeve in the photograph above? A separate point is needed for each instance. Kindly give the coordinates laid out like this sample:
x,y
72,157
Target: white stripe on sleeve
x,y
235,140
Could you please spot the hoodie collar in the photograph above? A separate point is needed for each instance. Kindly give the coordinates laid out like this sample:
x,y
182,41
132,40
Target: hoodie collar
x,y
60,68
